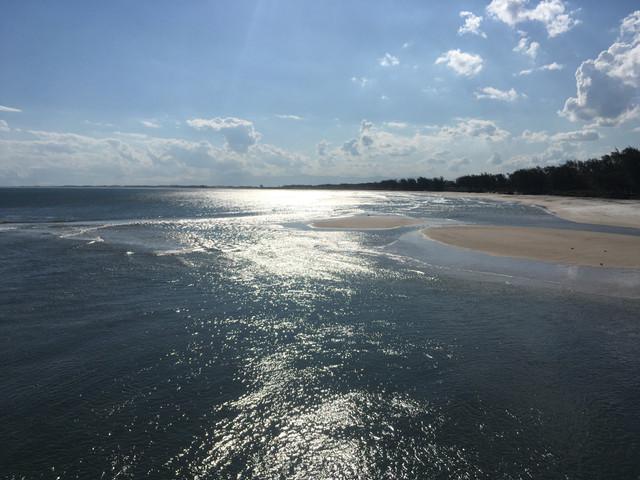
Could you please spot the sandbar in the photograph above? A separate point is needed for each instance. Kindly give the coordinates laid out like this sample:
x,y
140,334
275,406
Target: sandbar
x,y
596,211
571,247
367,222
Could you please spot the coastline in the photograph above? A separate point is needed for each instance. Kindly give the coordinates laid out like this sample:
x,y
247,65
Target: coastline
x,y
596,211
570,247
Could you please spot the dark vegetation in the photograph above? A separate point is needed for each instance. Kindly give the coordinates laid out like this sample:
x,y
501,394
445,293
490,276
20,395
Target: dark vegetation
x,y
616,175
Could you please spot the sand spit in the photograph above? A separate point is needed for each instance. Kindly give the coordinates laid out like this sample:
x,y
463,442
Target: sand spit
x,y
570,247
367,222
597,211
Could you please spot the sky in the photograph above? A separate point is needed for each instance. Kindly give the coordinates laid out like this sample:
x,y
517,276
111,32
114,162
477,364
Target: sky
x,y
272,92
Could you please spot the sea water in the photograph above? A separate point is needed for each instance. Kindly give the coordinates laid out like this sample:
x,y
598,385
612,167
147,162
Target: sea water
x,y
213,334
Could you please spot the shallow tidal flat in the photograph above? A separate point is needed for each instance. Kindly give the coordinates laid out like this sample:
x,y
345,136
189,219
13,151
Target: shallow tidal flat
x,y
570,247
367,222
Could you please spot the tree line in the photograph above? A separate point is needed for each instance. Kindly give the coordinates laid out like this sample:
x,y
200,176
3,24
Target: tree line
x,y
616,175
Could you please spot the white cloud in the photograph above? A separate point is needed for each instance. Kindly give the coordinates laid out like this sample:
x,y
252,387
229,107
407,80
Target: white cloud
x,y
462,63
4,126
41,157
553,14
584,135
471,24
527,47
492,93
554,154
535,137
150,123
577,136
9,109
407,44
398,125
388,60
475,127
351,147
549,67
372,142
239,134
289,117
607,87
410,150
362,81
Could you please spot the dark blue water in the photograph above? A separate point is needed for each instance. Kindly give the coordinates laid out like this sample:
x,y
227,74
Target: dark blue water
x,y
154,333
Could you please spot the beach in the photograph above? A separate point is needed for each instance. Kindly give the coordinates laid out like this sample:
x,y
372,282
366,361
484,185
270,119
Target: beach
x,y
562,246
597,211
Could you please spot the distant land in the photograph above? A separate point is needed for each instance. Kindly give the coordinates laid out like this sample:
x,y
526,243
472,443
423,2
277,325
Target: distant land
x,y
615,175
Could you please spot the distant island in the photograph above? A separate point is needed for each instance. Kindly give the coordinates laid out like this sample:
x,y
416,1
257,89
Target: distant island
x,y
616,175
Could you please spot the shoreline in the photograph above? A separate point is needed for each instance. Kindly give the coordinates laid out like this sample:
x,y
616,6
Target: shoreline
x,y
595,211
568,247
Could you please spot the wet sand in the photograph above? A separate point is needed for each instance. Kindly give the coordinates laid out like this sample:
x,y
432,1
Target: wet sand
x,y
597,211
367,222
550,245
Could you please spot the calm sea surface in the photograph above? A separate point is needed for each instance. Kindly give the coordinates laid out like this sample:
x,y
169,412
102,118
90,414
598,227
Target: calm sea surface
x,y
212,334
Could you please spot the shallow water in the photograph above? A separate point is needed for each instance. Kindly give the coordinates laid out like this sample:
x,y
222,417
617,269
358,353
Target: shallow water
x,y
159,333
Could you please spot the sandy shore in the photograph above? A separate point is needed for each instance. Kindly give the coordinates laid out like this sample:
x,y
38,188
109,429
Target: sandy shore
x,y
551,245
367,222
597,211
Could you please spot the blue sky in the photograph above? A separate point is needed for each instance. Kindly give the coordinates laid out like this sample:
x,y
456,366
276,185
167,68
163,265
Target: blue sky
x,y
271,92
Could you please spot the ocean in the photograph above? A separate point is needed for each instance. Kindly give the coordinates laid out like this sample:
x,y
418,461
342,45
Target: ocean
x,y
213,334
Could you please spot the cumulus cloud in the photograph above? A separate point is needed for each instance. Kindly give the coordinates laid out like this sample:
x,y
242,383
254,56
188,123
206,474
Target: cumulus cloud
x,y
492,93
527,47
577,136
607,87
471,24
388,60
9,109
548,67
239,134
535,137
350,147
554,154
409,150
4,126
462,63
475,127
553,14
585,135
42,157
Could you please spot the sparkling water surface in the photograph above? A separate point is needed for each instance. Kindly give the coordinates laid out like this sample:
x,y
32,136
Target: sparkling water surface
x,y
212,334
